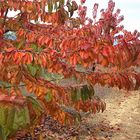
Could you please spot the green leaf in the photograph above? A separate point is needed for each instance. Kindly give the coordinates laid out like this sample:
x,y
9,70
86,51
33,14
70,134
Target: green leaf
x,y
48,96
34,69
87,92
50,6
22,118
2,135
84,95
34,47
52,76
35,103
75,94
12,118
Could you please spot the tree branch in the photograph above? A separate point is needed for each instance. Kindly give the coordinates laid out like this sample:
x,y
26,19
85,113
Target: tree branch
x,y
13,86
5,17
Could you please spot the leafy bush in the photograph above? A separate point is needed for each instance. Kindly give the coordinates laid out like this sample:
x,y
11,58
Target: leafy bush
x,y
55,64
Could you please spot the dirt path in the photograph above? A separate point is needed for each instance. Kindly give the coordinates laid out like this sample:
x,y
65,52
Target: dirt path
x,y
120,121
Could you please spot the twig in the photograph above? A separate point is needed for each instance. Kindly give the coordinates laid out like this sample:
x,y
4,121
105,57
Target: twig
x,y
13,86
5,17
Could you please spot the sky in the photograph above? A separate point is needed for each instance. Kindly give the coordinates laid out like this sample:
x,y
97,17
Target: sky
x,y
129,8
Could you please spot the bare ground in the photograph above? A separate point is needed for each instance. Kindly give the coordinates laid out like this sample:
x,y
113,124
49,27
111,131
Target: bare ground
x,y
120,120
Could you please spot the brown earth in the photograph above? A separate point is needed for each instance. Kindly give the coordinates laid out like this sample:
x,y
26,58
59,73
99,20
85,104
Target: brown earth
x,y
120,120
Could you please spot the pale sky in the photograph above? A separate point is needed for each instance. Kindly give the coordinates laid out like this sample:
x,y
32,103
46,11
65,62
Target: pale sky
x,y
129,8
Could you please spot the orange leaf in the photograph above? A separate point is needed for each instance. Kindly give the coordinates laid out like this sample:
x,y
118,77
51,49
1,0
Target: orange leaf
x,y
44,61
10,49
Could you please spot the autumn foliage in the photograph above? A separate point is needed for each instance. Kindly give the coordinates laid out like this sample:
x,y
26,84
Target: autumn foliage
x,y
58,58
